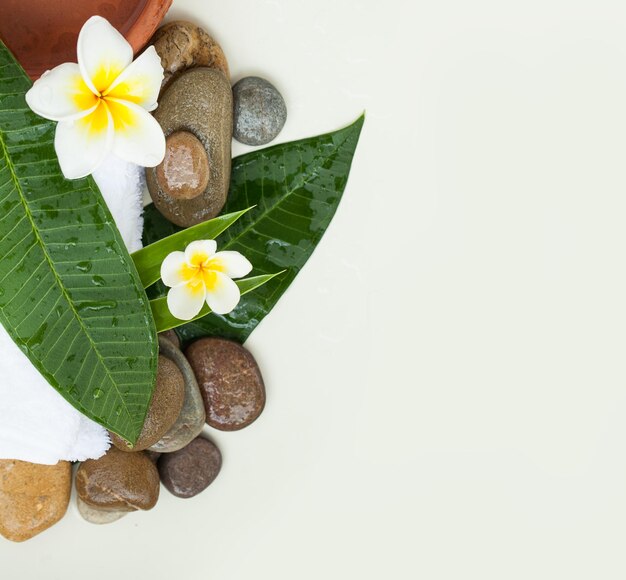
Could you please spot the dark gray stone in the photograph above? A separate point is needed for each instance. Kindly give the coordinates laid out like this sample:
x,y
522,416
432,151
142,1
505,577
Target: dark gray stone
x,y
259,111
187,472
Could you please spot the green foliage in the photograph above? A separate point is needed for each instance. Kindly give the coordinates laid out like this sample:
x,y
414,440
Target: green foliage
x,y
70,296
295,188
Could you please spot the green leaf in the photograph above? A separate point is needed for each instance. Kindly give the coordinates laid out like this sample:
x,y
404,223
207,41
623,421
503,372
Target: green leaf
x,y
148,260
296,188
165,321
70,296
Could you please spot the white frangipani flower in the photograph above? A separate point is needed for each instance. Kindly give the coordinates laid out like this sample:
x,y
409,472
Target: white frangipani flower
x,y
201,274
102,103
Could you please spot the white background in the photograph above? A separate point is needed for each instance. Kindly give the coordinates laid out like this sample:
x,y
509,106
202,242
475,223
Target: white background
x,y
447,377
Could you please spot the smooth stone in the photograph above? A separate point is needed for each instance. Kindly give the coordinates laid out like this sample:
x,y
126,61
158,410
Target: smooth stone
x,y
260,112
152,455
200,101
192,416
118,481
189,471
230,382
183,45
184,172
97,516
33,497
167,402
171,336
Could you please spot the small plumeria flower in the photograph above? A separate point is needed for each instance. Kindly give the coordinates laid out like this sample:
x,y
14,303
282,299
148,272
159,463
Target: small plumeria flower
x,y
201,274
102,103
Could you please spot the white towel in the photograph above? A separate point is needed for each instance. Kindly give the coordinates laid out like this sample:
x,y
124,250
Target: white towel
x,y
36,423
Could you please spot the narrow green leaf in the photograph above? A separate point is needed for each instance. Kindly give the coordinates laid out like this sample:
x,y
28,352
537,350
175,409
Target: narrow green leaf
x,y
296,187
165,321
70,296
148,260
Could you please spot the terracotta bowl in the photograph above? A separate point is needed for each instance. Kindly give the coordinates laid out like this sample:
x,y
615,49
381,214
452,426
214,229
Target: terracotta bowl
x,y
43,33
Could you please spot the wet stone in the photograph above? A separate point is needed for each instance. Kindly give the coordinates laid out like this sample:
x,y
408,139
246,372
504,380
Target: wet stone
x,y
33,497
165,407
189,471
184,172
199,102
192,416
260,112
230,382
118,481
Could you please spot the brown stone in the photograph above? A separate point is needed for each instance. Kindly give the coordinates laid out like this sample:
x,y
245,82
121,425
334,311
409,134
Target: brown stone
x,y
191,420
118,481
200,102
165,407
190,470
184,171
230,382
183,45
171,336
33,497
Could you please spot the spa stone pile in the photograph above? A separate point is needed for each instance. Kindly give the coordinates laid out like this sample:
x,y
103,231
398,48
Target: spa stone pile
x,y
215,382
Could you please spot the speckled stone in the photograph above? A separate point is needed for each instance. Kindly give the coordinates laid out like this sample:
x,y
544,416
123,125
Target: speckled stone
x,y
189,471
97,516
167,402
260,112
33,497
118,481
183,45
200,102
230,382
184,171
192,416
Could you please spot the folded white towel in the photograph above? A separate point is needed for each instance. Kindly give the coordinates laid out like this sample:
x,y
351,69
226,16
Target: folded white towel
x,y
36,423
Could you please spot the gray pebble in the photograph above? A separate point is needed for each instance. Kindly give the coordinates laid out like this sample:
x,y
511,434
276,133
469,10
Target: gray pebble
x,y
259,111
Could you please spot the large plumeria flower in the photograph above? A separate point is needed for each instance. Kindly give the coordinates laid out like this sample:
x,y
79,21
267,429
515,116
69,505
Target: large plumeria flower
x,y
102,103
201,274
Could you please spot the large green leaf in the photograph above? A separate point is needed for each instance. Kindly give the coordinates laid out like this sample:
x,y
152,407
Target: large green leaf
x,y
70,296
296,188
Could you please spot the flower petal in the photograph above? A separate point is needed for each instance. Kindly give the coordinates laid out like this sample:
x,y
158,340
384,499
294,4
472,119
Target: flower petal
x,y
140,82
103,53
233,264
138,135
223,295
200,251
61,94
81,145
172,269
186,300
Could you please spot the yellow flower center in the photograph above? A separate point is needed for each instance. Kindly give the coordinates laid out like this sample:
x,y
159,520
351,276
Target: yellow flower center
x,y
201,272
108,101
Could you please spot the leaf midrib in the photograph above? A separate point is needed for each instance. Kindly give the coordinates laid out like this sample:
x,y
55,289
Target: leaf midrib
x,y
58,280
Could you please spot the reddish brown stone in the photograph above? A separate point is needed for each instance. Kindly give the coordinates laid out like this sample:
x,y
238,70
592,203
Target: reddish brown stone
x,y
230,382
184,172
